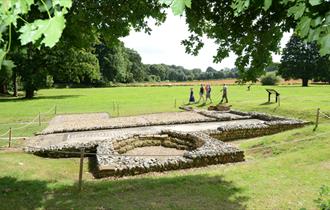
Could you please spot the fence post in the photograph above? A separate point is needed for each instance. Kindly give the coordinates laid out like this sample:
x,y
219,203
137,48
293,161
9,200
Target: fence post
x,y
279,100
82,153
9,138
39,119
317,119
55,109
117,109
174,103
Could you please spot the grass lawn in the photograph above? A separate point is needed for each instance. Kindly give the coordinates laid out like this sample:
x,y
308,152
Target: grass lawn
x,y
282,171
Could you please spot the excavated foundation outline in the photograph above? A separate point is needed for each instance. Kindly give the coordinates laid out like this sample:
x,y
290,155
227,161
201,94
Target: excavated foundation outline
x,y
201,147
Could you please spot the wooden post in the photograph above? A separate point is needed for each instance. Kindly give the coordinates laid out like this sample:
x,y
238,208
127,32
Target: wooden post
x,y
9,138
113,107
117,109
39,119
317,119
174,103
269,96
55,109
82,153
279,100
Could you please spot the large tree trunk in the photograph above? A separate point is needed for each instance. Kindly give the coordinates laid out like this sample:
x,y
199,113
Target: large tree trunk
x,y
304,82
29,93
15,94
3,89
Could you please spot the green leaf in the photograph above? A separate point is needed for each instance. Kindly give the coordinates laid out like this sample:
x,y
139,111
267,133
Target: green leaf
x,y
267,4
188,3
50,28
297,10
314,35
54,30
178,7
304,26
315,2
64,3
316,22
325,45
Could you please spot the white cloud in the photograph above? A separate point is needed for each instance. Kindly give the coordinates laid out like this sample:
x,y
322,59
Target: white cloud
x,y
163,46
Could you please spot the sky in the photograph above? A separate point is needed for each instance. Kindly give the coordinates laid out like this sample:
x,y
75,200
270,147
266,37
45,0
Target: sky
x,y
163,46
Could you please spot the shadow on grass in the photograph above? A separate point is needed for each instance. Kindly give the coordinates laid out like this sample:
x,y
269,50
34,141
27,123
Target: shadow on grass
x,y
17,99
180,192
267,103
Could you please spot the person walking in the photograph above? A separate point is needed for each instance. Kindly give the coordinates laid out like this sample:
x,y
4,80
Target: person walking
x,y
191,98
208,93
224,93
201,93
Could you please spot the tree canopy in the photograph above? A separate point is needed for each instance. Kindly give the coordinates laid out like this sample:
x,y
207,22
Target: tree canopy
x,y
251,29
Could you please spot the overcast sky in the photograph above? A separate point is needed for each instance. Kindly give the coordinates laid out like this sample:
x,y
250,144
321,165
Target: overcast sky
x,y
163,46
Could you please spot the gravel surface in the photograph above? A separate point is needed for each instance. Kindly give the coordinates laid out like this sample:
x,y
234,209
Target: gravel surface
x,y
159,152
68,124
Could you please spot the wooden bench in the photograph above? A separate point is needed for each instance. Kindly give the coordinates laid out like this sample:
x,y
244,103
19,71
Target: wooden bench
x,y
272,91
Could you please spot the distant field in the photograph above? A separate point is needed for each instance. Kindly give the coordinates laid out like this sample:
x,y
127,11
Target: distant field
x,y
282,171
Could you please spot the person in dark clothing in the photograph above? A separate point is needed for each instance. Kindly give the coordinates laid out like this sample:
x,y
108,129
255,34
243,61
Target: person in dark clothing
x,y
191,98
201,93
224,93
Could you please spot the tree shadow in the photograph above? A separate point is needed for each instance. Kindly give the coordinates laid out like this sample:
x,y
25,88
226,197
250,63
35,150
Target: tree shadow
x,y
177,192
17,99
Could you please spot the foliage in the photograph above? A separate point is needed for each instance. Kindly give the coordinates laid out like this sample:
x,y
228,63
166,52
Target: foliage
x,y
302,61
39,31
253,29
270,79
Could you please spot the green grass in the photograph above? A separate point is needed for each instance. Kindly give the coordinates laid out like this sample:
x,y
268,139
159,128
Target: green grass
x,y
282,171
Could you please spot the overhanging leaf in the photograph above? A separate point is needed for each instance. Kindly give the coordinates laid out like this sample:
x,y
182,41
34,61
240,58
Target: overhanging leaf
x,y
297,10
54,30
267,4
315,2
178,7
188,3
303,26
325,45
51,29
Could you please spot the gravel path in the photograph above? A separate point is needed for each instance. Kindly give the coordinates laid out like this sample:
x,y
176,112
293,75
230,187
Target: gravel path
x,y
93,137
64,123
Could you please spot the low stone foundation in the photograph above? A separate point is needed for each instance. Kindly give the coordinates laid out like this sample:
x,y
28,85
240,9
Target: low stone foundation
x,y
200,150
198,134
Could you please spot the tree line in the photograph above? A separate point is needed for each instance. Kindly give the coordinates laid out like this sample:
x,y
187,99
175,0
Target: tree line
x,y
101,65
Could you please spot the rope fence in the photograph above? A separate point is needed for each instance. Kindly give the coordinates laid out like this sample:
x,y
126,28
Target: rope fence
x,y
36,120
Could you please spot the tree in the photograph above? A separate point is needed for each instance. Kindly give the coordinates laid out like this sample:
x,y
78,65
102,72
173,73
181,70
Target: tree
x,y
253,29
136,67
301,61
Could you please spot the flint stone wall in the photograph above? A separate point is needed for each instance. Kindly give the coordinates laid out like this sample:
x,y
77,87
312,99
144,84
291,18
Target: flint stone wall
x,y
203,150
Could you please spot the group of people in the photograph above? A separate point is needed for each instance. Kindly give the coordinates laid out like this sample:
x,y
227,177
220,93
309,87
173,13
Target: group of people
x,y
206,90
